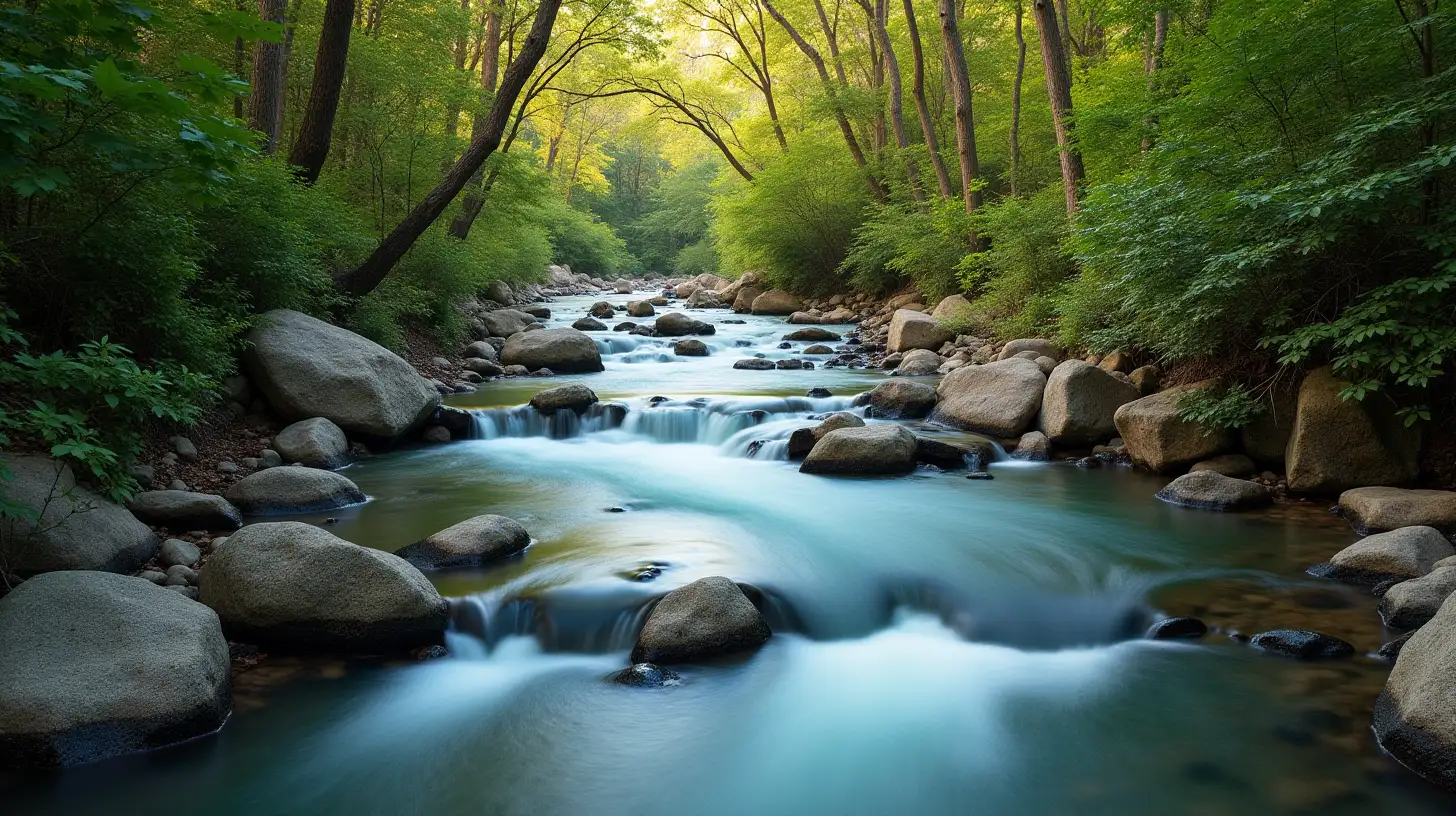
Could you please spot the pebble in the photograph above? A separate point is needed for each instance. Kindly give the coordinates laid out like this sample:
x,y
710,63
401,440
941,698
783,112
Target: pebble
x,y
154,576
180,576
226,466
646,675
175,551
270,458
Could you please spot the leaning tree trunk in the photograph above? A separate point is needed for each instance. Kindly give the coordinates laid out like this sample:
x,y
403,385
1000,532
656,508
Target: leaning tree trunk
x,y
897,111
1059,91
489,73
483,142
311,148
960,81
922,109
1016,101
265,106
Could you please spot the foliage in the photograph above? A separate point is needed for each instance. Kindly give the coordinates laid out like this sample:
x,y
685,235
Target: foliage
x,y
898,242
1220,406
1017,278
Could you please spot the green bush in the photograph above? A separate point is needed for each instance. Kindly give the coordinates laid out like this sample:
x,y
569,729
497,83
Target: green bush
x,y
1017,279
906,242
584,243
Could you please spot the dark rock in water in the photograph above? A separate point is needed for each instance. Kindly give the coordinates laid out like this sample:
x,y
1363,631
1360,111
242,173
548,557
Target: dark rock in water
x,y
646,675
811,334
982,475
939,454
589,324
819,393
757,445
625,325
1178,629
794,365
754,364
873,450
707,618
433,652
1089,462
1207,490
575,397
648,572
690,348
471,543
786,345
1302,644
742,343
616,509
1391,650
676,324
735,322
643,331
658,400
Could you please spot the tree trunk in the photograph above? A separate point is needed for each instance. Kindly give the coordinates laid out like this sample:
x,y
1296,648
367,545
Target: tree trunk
x,y
489,73
1153,65
960,82
897,111
265,106
461,48
311,148
1016,100
372,272
1059,91
922,109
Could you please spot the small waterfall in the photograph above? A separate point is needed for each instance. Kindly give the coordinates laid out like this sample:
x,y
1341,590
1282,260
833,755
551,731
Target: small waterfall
x,y
601,625
525,421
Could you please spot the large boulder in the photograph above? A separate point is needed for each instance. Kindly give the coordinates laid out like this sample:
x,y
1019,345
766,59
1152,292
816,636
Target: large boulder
x,y
602,309
919,363
690,348
506,322
708,618
94,665
677,324
294,586
1398,555
1410,604
776,302
916,330
743,300
1413,715
803,440
1267,436
813,334
685,289
706,299
729,293
901,399
1079,404
500,292
1337,444
308,368
999,399
74,527
575,397
640,308
564,351
952,306
871,450
1373,509
1042,348
1207,490
179,510
1158,439
313,442
282,491
471,543
622,287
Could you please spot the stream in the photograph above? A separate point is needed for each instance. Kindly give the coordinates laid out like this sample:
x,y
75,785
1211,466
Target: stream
x,y
942,645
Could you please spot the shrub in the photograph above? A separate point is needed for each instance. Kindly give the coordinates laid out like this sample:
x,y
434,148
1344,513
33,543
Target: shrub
x,y
1017,279
907,242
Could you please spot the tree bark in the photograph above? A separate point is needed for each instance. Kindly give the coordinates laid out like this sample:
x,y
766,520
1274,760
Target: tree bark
x,y
311,148
1016,100
897,93
922,109
372,272
489,73
1059,91
960,81
265,106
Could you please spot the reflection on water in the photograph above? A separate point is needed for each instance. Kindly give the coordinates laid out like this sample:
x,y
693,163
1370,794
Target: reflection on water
x,y
942,645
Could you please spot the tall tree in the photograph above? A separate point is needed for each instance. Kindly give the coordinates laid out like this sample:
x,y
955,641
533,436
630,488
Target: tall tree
x,y
1152,66
960,82
265,106
875,15
483,142
1059,91
922,109
1016,100
311,148
489,73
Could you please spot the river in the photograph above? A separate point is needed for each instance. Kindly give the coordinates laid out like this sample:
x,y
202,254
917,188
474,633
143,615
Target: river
x,y
942,645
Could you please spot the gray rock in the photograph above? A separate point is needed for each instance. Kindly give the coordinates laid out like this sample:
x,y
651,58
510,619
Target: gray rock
x,y
1374,509
484,368
916,330
1399,555
500,292
294,586
227,466
188,592
901,399
871,450
313,442
506,322
95,665
1410,604
640,308
309,368
708,618
574,397
1041,348
1000,399
918,363
269,458
1302,644
1339,444
562,350
76,528
690,348
775,302
812,334
647,675
144,474
436,435
180,575
1207,490
175,551
1158,439
183,447
471,543
676,324
1034,446
1236,465
289,490
1079,404
481,350
179,510
602,309
155,576
177,484
818,348
589,324
754,364
803,439
1413,714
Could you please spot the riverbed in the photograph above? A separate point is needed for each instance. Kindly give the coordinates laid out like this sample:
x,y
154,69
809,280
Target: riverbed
x,y
942,645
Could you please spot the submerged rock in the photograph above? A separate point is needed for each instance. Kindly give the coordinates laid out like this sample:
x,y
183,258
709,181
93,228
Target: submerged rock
x,y
290,490
294,586
180,510
646,675
1398,555
708,618
95,665
1375,509
872,450
1302,644
471,543
1207,490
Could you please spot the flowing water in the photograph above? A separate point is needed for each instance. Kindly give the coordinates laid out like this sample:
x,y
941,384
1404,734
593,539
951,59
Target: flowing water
x,y
941,645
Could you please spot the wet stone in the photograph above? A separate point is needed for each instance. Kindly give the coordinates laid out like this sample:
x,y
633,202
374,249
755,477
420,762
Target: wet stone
x,y
646,675
1302,644
1178,629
